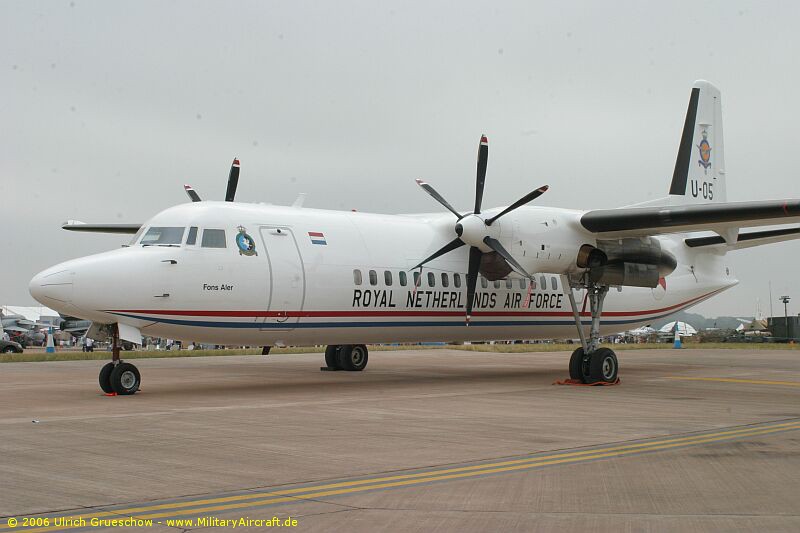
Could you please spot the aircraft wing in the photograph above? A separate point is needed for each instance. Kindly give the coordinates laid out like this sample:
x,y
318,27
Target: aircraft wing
x,y
722,218
75,225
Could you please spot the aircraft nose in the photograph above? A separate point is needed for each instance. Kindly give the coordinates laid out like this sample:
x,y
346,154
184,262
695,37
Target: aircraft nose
x,y
52,286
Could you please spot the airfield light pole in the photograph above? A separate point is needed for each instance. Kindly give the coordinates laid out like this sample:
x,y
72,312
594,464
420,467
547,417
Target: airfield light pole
x,y
785,300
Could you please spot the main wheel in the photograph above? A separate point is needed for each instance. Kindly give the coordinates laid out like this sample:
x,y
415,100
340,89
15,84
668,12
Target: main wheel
x,y
332,356
353,357
105,378
579,365
125,379
8,349
603,366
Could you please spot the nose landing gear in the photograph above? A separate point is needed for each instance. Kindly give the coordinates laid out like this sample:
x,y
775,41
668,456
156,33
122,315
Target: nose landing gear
x,y
119,377
590,363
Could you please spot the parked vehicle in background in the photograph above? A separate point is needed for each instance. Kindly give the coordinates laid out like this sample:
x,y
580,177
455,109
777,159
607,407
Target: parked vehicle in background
x,y
10,347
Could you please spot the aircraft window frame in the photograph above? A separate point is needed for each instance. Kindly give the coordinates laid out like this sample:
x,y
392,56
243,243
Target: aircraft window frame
x,y
457,280
445,280
496,284
373,277
533,283
169,233
358,279
509,283
431,280
191,236
387,277
523,283
138,235
554,282
402,278
484,283
543,282
214,240
416,279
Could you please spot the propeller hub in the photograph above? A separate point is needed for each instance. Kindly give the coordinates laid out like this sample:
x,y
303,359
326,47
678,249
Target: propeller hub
x,y
472,230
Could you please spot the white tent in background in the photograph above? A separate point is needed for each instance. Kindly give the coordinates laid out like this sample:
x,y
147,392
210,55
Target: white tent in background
x,y
684,329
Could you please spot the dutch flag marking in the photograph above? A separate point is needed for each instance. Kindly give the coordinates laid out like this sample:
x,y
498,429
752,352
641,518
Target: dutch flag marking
x,y
317,238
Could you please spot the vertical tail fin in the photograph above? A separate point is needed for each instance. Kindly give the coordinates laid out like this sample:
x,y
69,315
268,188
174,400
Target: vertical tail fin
x,y
699,176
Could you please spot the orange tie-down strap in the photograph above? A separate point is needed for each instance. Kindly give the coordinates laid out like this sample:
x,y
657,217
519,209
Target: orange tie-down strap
x,y
582,384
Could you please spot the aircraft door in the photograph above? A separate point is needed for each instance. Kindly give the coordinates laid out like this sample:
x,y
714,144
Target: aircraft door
x,y
286,278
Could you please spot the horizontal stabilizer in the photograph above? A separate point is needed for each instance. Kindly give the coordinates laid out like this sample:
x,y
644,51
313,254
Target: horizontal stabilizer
x,y
644,221
747,240
74,225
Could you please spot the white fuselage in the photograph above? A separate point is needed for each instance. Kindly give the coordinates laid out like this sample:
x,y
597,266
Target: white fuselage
x,y
301,286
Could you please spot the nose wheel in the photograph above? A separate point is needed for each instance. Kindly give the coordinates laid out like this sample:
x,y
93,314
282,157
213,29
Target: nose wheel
x,y
119,377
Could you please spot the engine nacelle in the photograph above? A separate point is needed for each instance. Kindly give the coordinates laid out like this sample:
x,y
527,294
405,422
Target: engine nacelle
x,y
628,274
641,251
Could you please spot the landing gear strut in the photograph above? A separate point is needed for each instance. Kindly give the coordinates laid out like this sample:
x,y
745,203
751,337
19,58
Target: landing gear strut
x,y
590,363
118,376
352,357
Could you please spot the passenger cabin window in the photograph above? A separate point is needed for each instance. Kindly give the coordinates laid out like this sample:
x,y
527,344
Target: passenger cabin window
x,y
509,283
387,278
431,279
403,278
554,282
497,284
484,282
543,283
416,279
457,281
373,277
357,277
163,236
213,238
192,238
523,283
445,281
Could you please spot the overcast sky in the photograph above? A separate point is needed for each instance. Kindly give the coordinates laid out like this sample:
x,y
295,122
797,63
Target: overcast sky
x,y
108,108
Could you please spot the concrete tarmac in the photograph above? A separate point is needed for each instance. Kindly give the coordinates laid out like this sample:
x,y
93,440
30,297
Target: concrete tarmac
x,y
699,440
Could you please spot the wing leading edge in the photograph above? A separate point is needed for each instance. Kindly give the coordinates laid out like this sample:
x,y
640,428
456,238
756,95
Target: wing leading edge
x,y
720,218
101,228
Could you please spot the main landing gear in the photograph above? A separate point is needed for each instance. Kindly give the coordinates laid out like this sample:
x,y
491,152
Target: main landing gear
x,y
352,357
119,377
590,363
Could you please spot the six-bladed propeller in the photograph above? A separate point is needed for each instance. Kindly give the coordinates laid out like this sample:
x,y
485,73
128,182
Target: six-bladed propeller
x,y
230,192
475,231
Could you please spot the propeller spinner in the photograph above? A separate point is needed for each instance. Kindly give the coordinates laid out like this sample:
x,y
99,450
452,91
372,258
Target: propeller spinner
x,y
476,231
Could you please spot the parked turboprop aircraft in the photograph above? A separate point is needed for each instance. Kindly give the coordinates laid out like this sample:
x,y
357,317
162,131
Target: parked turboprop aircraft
x,y
236,273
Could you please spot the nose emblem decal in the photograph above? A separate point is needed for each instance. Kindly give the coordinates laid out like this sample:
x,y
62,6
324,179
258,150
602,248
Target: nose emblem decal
x,y
246,244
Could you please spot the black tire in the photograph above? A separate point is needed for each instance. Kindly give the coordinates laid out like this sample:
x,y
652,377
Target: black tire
x,y
603,366
353,357
105,378
332,356
9,349
125,379
577,369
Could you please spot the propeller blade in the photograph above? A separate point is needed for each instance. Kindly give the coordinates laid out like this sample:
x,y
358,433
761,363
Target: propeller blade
x,y
475,255
522,201
233,181
438,197
191,192
495,245
450,246
483,158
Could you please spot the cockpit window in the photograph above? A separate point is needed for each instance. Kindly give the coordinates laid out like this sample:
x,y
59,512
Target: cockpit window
x,y
162,236
136,237
213,238
192,238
